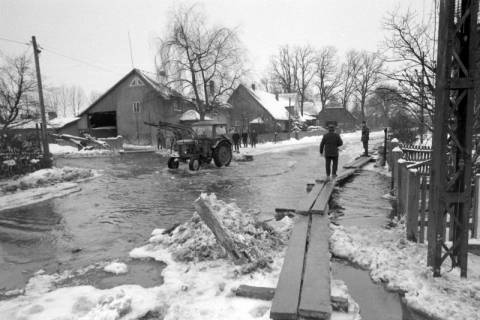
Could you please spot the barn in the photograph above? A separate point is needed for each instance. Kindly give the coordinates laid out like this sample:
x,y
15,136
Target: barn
x,y
124,108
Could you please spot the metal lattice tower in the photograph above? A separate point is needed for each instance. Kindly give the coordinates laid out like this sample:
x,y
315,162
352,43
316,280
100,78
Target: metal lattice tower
x,y
451,171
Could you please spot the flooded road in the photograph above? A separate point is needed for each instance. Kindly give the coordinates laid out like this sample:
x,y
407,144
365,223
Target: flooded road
x,y
135,194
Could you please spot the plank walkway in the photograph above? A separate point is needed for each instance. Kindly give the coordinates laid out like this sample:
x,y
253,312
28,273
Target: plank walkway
x,y
303,290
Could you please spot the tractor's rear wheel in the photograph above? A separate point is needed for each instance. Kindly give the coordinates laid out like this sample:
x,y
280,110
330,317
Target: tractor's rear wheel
x,y
222,155
194,164
173,163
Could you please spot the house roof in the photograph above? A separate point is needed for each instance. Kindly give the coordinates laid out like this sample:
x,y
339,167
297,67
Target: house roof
x,y
328,114
163,90
275,107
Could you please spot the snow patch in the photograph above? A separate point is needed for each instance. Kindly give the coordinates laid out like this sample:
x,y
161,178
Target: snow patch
x,y
116,268
402,266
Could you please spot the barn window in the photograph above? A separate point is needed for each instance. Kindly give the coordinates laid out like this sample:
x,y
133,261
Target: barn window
x,y
177,107
136,83
136,107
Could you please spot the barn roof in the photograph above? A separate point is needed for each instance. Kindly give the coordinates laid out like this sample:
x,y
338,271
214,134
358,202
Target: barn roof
x,y
163,90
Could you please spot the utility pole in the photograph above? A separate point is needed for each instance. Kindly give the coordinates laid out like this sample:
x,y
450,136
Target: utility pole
x,y
451,168
46,151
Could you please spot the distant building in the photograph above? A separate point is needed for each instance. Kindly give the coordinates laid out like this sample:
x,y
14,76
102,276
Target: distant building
x,y
338,115
125,107
256,108
310,108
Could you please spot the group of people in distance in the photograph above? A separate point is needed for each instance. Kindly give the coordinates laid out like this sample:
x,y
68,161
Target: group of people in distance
x,y
331,141
243,138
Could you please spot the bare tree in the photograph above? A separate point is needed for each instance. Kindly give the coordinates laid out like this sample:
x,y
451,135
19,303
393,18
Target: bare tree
x,y
66,101
17,81
284,69
411,53
327,75
368,77
348,75
202,60
305,61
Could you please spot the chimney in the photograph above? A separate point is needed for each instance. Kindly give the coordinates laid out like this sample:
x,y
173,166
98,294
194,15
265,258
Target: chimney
x,y
211,88
253,86
276,96
162,76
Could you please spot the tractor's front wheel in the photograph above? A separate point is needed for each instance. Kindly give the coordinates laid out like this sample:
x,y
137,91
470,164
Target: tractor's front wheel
x,y
173,163
222,155
194,164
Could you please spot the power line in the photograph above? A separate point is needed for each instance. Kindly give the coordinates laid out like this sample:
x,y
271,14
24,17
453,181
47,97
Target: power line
x,y
15,41
78,60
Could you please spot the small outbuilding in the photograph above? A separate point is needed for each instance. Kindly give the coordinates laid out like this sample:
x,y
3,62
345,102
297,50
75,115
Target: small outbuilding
x,y
338,115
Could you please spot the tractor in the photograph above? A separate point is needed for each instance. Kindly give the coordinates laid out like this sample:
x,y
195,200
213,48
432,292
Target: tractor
x,y
199,143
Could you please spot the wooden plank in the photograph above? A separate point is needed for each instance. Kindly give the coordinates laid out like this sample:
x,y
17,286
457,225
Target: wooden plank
x,y
262,293
287,293
321,205
306,203
315,300
360,162
344,175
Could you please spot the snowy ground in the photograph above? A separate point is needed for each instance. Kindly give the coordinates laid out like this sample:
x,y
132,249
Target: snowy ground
x,y
41,185
73,152
350,139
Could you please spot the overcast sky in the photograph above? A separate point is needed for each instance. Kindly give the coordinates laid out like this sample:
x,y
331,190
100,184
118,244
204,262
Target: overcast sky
x,y
96,31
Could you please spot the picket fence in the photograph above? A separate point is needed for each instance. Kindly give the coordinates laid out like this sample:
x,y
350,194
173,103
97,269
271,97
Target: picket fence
x,y
411,184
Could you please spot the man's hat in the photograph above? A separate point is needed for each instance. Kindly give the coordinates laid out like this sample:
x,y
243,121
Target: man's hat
x,y
331,126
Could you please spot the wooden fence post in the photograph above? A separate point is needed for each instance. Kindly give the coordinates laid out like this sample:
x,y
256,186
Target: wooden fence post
x,y
476,207
396,155
401,186
390,158
412,204
423,206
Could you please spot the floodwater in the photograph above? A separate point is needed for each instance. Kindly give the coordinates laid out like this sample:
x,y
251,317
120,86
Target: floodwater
x,y
136,193
359,202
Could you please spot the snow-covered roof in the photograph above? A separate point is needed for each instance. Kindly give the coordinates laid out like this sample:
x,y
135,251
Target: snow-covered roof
x,y
257,120
311,108
275,107
61,122
192,115
28,124
307,117
162,89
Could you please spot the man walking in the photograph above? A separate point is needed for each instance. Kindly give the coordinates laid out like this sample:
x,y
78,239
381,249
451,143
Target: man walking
x,y
365,138
330,143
